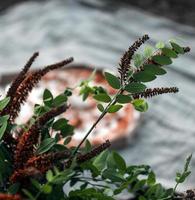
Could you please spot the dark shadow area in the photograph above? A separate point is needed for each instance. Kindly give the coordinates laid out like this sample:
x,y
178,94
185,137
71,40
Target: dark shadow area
x,y
9,3
181,11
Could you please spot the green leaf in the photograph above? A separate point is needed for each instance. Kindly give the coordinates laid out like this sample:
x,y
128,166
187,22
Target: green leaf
x,y
39,110
151,178
4,118
108,192
59,147
84,186
68,92
100,107
130,73
85,96
181,177
148,51
169,52
102,97
88,146
140,105
47,97
139,185
110,162
28,194
177,48
3,129
63,177
155,69
46,145
100,160
157,192
120,189
120,161
13,189
135,87
60,124
160,45
86,90
4,102
47,189
99,90
73,181
121,98
138,59
59,100
49,176
112,80
67,140
144,76
162,60
36,184
63,126
114,108
188,160
68,130
112,175
142,198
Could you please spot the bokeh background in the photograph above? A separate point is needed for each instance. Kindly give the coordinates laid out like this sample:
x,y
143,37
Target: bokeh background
x,y
96,32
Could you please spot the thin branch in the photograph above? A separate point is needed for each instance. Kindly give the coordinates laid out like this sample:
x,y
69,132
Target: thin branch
x,y
112,102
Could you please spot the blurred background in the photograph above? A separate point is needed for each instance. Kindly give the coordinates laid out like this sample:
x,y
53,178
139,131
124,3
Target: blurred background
x,y
96,33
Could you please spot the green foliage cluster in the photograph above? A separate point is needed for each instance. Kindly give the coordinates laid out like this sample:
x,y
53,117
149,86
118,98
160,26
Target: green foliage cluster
x,y
106,175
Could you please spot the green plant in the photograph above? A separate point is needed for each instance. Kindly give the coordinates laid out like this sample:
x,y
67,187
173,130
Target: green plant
x,y
33,165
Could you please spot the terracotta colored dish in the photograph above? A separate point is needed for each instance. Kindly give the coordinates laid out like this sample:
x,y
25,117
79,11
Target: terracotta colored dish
x,y
117,127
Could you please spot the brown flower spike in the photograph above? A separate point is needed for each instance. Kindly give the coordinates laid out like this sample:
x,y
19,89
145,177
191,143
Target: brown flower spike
x,y
155,91
93,153
23,175
45,162
21,76
26,86
25,147
20,89
124,65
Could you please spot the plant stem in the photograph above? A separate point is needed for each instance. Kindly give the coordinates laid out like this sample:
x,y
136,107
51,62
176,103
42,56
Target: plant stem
x,y
112,102
174,190
90,130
